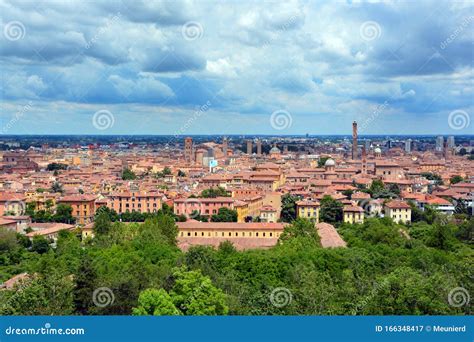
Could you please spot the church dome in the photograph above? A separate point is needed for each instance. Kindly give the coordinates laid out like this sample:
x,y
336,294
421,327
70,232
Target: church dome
x,y
275,150
330,162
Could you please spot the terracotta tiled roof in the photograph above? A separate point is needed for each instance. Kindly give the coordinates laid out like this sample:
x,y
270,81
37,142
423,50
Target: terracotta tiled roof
x,y
10,283
9,196
267,208
360,195
53,228
240,243
229,225
78,198
5,222
352,208
308,203
396,204
206,200
329,236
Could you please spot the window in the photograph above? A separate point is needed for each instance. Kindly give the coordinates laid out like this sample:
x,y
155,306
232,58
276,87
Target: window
x,y
189,233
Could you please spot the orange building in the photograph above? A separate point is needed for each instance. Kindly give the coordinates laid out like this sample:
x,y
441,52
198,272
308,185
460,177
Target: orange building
x,y
242,235
143,202
83,207
203,206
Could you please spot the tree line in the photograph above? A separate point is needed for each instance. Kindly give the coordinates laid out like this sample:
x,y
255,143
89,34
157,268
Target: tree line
x,y
387,269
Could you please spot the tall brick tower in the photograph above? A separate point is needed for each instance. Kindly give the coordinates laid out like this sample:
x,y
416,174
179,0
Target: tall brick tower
x,y
188,150
259,147
354,140
249,147
224,146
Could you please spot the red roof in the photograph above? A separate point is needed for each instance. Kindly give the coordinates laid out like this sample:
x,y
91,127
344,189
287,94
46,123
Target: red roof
x,y
229,225
352,208
307,204
78,198
56,227
240,243
396,204
9,196
205,200
329,236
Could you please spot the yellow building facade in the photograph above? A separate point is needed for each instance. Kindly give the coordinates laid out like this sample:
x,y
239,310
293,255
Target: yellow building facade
x,y
308,210
353,214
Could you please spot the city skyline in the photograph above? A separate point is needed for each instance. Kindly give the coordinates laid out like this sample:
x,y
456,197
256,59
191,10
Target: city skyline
x,y
194,68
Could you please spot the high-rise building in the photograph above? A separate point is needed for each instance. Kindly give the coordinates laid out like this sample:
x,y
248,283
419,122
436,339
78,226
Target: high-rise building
x,y
439,143
354,140
224,146
408,146
188,150
367,145
249,147
451,142
259,147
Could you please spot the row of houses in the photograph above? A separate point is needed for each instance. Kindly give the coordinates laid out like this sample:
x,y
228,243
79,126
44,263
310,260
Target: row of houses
x,y
399,211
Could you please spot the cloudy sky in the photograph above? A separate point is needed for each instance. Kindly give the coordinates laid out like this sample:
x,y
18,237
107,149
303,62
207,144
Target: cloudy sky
x,y
236,67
